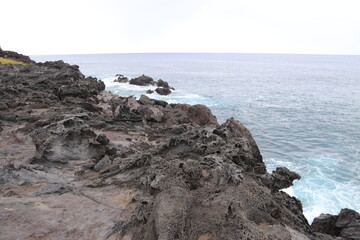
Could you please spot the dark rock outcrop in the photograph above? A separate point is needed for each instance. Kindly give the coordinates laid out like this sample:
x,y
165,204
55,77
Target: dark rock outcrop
x,y
78,162
121,79
280,178
142,81
16,56
163,87
162,83
163,91
345,225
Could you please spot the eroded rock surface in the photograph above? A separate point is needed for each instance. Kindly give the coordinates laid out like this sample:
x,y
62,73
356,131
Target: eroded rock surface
x,y
345,225
78,162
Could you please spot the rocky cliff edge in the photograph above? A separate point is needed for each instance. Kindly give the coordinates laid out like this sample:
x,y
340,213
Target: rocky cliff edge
x,y
78,162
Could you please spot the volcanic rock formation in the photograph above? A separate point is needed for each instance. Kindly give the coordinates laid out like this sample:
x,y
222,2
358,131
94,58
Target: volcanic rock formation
x,y
78,162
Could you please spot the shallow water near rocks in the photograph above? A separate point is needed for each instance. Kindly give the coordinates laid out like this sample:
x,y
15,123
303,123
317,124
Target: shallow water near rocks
x,y
303,110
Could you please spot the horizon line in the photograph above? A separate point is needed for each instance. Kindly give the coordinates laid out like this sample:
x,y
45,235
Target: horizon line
x,y
273,53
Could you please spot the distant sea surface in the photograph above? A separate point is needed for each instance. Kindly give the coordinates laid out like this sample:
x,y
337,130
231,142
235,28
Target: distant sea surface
x,y
303,110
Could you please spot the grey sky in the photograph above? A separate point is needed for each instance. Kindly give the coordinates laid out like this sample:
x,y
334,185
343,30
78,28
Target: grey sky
x,y
122,26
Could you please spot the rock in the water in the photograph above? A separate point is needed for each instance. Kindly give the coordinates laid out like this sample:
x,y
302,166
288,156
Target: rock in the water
x,y
345,225
280,178
163,91
121,79
142,81
149,91
162,83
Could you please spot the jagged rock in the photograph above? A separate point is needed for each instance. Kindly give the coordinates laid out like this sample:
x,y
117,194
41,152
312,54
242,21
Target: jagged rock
x,y
67,140
280,178
78,162
345,225
201,115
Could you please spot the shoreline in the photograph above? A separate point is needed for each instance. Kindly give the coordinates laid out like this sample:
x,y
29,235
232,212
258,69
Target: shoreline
x,y
67,141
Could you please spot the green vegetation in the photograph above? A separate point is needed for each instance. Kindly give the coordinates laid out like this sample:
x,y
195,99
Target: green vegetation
x,y
10,61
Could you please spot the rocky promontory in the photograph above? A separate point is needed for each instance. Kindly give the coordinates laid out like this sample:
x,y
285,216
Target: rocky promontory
x,y
78,162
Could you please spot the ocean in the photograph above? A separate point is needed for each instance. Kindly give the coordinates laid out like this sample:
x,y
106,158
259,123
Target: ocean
x,y
302,110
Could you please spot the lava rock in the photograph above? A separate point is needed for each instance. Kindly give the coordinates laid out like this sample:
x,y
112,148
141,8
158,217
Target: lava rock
x,y
163,91
163,84
121,79
280,178
346,224
142,81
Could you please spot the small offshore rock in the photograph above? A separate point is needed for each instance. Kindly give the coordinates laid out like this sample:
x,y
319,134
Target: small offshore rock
x,y
163,91
162,83
121,78
142,81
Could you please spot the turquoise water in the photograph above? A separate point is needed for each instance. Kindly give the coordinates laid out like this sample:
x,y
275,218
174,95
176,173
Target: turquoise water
x,y
303,110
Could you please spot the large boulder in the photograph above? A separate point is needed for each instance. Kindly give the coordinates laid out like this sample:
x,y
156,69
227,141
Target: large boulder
x,y
346,224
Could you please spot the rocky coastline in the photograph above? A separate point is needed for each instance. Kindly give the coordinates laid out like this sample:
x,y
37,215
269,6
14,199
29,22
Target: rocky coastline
x,y
78,162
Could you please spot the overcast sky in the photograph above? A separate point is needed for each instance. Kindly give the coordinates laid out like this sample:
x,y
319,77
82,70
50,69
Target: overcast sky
x,y
127,26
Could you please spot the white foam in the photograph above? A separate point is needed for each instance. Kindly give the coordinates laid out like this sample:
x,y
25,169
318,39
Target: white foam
x,y
320,189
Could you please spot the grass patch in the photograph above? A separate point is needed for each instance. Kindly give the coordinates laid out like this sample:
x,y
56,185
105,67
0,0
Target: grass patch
x,y
10,61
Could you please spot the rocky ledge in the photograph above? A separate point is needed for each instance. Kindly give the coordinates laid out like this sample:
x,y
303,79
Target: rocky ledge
x,y
78,162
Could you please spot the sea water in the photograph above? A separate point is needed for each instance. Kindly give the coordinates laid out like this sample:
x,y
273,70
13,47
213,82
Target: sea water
x,y
302,110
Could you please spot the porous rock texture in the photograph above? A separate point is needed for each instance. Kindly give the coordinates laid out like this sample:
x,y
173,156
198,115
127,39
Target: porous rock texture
x,y
78,162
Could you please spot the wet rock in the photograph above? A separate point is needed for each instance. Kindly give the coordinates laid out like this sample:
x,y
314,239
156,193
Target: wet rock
x,y
121,79
149,91
142,81
345,225
163,91
280,178
163,84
